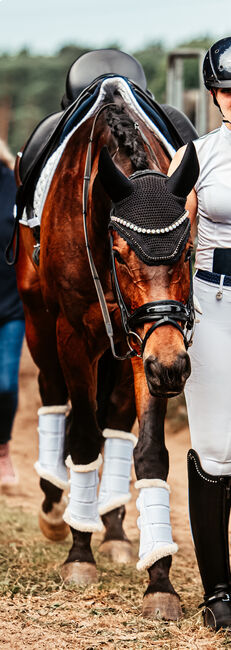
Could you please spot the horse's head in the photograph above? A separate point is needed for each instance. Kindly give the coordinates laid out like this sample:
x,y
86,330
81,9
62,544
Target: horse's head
x,y
149,231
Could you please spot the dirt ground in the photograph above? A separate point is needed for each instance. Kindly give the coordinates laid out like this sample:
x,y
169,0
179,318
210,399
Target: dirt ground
x,y
24,620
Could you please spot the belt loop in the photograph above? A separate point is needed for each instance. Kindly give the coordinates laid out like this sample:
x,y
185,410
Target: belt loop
x,y
219,293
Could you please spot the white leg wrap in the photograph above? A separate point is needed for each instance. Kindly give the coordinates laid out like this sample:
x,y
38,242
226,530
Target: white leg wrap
x,y
51,430
118,450
154,522
82,510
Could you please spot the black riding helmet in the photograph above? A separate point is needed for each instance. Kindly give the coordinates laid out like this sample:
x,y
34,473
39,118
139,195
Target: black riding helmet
x,y
217,65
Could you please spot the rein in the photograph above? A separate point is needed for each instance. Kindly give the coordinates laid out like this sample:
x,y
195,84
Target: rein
x,y
165,312
95,276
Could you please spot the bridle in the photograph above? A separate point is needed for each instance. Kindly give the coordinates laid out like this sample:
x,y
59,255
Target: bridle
x,y
160,313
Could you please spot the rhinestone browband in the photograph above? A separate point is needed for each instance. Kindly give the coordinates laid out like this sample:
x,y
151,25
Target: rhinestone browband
x,y
152,231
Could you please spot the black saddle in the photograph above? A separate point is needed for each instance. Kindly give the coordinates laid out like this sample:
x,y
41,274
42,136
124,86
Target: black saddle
x,y
83,72
82,87
99,63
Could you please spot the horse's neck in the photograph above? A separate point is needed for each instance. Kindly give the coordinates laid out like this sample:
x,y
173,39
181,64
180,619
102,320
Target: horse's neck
x,y
158,157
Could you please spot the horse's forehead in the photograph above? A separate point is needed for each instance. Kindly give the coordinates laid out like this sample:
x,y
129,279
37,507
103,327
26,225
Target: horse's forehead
x,y
135,262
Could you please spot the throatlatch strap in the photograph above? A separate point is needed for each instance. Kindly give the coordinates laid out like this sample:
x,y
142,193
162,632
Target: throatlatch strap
x,y
50,466
154,522
82,510
114,489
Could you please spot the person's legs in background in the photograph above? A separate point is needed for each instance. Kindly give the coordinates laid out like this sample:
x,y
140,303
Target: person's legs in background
x,y
11,338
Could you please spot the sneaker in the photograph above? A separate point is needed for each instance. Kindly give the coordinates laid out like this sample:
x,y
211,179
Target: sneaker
x,y
7,474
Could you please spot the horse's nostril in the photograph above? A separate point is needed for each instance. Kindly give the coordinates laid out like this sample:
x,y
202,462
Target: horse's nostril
x,y
171,377
153,370
185,366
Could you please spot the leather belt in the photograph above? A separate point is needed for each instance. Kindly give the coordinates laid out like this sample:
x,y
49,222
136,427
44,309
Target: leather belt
x,y
214,278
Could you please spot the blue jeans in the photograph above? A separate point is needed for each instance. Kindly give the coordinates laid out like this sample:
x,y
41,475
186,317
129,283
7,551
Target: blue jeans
x,y
11,338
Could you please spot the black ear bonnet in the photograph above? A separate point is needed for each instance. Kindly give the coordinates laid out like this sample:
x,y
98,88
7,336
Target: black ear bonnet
x,y
148,208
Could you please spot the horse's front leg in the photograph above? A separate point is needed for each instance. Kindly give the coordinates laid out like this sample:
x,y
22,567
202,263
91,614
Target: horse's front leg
x,y
152,464
116,415
84,459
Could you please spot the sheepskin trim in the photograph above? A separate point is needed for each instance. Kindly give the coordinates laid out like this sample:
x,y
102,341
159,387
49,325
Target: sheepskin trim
x,y
152,482
114,502
155,555
53,478
84,468
55,516
125,435
46,410
85,526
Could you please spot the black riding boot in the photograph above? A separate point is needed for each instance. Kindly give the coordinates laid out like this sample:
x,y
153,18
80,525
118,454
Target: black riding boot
x,y
209,507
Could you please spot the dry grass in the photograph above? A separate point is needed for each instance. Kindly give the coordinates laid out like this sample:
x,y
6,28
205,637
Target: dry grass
x,y
38,611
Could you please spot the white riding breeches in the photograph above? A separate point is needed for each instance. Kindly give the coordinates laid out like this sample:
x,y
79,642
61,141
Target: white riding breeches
x,y
208,389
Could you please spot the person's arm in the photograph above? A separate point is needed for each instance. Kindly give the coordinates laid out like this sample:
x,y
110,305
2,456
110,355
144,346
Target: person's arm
x,y
191,203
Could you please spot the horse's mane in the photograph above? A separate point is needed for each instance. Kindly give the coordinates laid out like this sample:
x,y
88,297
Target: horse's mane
x,y
123,129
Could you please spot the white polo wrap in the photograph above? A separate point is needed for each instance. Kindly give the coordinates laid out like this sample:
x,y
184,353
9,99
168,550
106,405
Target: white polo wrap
x,y
82,510
51,466
154,522
115,482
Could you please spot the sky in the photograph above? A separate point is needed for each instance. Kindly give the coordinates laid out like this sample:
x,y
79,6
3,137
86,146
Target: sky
x,y
46,25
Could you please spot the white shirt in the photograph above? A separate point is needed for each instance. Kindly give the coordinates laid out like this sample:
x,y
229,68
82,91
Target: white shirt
x,y
213,189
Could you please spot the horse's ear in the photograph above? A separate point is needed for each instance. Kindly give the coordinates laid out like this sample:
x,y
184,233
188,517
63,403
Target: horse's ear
x,y
185,176
116,185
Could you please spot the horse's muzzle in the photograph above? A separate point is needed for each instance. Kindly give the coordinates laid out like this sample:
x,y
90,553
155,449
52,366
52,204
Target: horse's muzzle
x,y
167,381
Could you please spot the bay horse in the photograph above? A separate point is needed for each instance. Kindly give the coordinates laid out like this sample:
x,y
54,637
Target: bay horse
x,y
113,269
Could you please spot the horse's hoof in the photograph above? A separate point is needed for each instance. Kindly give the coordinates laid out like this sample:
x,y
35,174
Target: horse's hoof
x,y
81,573
162,606
51,523
119,551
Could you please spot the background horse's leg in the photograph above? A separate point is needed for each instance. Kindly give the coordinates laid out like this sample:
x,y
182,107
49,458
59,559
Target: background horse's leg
x,y
51,520
41,339
116,411
152,465
85,442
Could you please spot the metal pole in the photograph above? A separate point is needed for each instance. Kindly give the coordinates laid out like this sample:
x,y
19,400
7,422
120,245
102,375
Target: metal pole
x,y
175,85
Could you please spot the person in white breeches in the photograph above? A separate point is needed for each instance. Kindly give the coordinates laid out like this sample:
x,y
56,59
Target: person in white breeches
x,y
208,389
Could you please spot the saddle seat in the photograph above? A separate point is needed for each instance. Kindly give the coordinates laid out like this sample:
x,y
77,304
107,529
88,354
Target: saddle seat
x,y
83,83
99,63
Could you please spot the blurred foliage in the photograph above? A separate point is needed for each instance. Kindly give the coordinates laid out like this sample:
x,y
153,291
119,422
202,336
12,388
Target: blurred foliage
x,y
191,70
154,60
32,86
